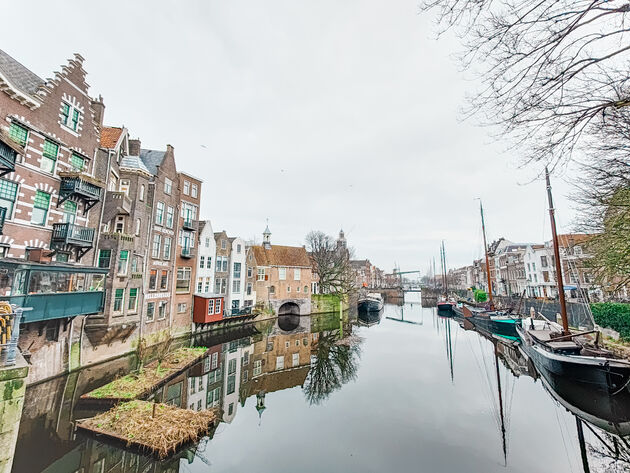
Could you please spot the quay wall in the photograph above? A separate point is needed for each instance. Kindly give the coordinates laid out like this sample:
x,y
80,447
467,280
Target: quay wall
x,y
12,391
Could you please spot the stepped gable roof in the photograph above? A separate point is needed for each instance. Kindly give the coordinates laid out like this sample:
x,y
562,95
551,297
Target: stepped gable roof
x,y
134,162
152,159
278,255
18,76
110,136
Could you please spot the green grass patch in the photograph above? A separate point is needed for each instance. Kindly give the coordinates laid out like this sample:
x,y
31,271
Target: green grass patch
x,y
136,384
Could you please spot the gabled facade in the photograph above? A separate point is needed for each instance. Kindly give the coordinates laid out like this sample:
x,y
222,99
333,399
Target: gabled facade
x,y
237,275
283,277
187,251
163,195
250,278
206,253
222,265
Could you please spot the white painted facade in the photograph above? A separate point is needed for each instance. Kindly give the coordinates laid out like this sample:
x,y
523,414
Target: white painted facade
x,y
237,275
541,281
250,275
207,250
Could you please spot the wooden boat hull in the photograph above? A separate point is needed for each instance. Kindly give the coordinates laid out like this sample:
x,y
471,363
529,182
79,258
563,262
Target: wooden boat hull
x,y
605,375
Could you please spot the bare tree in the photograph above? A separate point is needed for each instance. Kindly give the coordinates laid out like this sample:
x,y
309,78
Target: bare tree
x,y
331,263
604,197
551,69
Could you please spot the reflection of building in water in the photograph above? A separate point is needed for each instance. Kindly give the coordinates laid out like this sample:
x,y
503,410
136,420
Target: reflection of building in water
x,y
93,456
278,362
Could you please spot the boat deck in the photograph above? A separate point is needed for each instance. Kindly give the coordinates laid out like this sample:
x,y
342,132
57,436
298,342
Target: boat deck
x,y
544,336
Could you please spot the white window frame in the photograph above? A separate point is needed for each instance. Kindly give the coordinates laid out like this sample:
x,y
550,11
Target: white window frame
x,y
297,274
282,274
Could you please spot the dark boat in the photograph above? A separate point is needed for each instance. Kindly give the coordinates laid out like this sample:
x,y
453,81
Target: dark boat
x,y
370,302
558,353
444,304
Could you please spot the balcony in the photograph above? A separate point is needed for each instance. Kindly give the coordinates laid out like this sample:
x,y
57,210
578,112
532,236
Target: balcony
x,y
68,234
3,214
8,154
116,203
189,224
53,291
188,252
81,186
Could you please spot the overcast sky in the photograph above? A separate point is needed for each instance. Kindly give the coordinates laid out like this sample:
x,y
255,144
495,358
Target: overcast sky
x,y
316,115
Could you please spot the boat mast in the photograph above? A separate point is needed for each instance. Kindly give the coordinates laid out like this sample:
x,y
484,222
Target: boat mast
x,y
556,252
485,247
444,277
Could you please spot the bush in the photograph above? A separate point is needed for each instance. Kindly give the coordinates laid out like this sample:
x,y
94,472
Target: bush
x,y
613,315
480,296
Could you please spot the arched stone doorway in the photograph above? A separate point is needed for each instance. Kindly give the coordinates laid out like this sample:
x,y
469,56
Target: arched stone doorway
x,y
289,308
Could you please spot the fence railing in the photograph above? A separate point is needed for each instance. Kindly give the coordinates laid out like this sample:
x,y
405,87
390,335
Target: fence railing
x,y
10,318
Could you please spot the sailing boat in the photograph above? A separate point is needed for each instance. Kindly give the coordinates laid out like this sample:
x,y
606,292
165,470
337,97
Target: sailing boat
x,y
559,353
444,304
490,320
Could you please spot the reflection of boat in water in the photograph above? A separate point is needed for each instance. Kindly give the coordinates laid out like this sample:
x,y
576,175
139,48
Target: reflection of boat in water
x,y
370,302
601,409
370,317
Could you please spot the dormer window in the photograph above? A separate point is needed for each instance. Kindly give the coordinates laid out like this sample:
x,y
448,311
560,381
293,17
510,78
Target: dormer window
x,y
70,116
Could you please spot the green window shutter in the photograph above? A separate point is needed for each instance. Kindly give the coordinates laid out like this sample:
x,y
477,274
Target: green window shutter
x,y
42,200
70,207
120,293
78,163
8,190
75,119
65,111
133,292
18,133
124,254
51,149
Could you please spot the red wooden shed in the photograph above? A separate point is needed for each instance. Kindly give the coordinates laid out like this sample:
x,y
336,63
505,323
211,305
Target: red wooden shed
x,y
208,308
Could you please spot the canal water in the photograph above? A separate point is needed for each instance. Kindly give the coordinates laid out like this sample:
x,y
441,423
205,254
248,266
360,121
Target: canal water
x,y
411,391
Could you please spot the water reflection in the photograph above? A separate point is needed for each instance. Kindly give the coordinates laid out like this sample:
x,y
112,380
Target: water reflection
x,y
403,395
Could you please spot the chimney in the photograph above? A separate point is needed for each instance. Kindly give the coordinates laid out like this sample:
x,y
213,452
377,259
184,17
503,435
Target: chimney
x,y
99,111
134,147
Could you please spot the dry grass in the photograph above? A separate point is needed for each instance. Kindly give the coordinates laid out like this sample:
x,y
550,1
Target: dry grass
x,y
157,428
135,385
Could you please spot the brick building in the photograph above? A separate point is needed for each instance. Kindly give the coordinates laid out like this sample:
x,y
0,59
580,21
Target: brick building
x,y
283,277
50,206
186,254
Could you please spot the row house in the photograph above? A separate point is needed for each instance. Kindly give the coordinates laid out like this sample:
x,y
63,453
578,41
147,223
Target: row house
x,y
50,206
225,267
91,224
186,261
509,269
367,275
283,277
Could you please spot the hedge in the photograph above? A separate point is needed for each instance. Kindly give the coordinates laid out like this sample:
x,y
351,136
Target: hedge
x,y
613,315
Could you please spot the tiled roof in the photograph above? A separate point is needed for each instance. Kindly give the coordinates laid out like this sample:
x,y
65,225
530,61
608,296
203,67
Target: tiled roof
x,y
134,162
19,76
570,239
110,136
282,256
152,159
